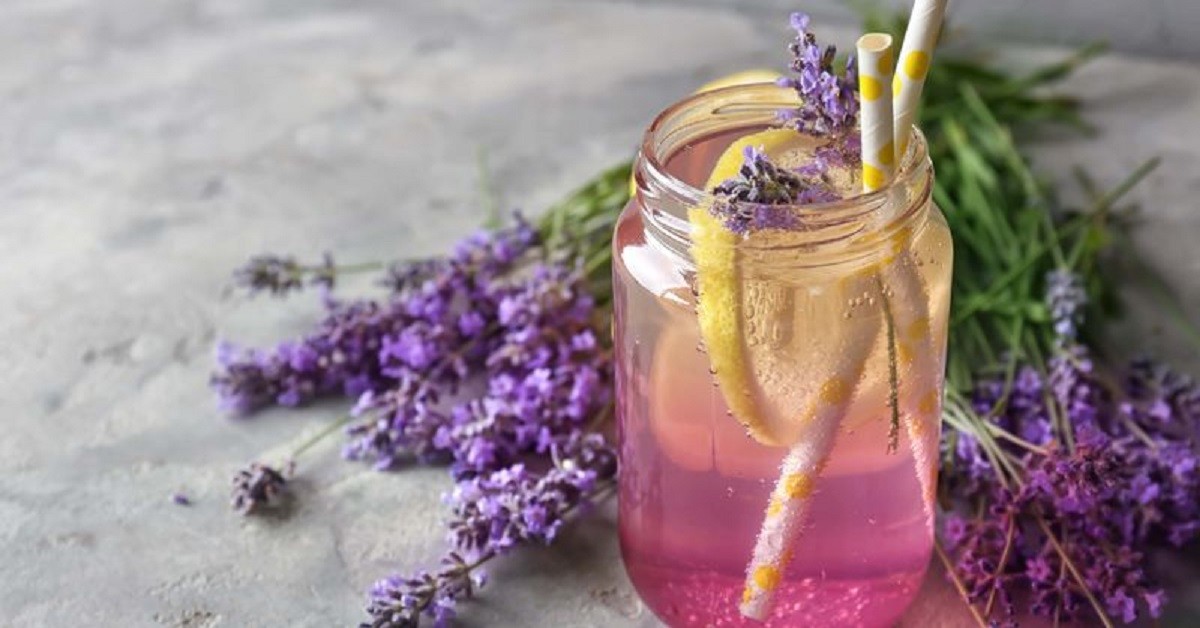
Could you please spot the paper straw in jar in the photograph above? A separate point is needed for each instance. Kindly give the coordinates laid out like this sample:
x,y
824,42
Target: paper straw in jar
x,y
914,340
787,509
919,387
920,397
913,65
875,63
879,163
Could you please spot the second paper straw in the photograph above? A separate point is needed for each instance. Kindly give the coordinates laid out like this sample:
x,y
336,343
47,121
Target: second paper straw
x,y
915,56
879,157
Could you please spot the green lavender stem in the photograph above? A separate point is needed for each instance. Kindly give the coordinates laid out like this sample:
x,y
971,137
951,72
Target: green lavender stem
x,y
319,436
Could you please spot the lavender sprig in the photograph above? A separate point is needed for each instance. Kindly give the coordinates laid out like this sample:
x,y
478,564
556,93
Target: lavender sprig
x,y
399,601
371,346
492,515
259,487
763,195
281,275
828,101
1078,474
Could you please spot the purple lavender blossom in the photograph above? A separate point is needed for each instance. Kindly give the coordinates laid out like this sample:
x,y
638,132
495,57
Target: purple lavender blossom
x,y
275,274
341,356
531,339
399,602
280,275
762,195
829,102
346,353
1109,469
179,499
1066,298
514,506
258,486
493,514
401,276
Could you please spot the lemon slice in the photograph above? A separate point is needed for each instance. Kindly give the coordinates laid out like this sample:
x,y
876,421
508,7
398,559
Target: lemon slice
x,y
727,303
745,77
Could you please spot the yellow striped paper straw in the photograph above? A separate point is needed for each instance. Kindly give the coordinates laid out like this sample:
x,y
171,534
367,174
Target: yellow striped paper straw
x,y
919,396
914,339
875,63
788,507
915,55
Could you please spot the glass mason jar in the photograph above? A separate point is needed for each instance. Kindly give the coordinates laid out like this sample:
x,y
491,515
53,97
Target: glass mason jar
x,y
845,316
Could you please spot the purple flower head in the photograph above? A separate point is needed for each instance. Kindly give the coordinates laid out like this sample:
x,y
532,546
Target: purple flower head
x,y
275,274
400,602
513,506
1066,298
280,275
403,276
258,486
762,194
434,313
828,101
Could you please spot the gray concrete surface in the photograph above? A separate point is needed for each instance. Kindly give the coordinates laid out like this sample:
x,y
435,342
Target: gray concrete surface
x,y
1157,27
149,147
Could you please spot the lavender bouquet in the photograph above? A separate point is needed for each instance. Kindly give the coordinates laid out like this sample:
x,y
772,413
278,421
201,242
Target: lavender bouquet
x,y
1060,472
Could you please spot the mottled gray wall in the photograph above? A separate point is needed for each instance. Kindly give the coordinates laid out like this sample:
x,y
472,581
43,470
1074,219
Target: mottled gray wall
x,y
1162,27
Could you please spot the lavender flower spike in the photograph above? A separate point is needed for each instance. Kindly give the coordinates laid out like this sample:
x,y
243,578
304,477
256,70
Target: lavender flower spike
x,y
258,486
762,193
1066,298
280,275
399,602
829,103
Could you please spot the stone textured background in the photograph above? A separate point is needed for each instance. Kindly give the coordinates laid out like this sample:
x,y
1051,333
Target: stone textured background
x,y
1159,27
151,146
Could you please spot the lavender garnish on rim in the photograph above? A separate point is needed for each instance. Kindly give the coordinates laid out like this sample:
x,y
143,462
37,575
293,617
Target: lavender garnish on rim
x,y
763,195
758,198
828,101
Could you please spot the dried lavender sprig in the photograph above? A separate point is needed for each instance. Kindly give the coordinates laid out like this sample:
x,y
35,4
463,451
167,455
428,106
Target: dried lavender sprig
x,y
828,101
280,275
259,487
495,514
762,195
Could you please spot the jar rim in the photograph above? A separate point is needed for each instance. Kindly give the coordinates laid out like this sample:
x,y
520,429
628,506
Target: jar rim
x,y
652,175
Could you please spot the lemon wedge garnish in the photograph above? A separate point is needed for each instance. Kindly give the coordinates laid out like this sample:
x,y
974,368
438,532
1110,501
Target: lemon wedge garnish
x,y
745,77
722,304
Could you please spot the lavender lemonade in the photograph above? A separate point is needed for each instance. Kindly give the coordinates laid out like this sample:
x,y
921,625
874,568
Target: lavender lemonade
x,y
780,340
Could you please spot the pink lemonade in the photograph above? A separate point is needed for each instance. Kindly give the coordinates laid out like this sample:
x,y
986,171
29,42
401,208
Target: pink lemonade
x,y
694,485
